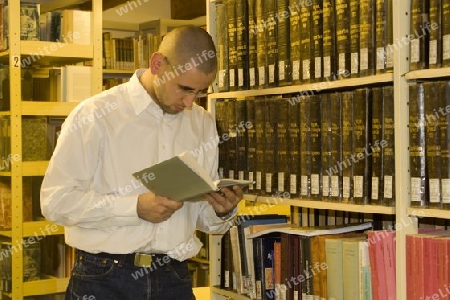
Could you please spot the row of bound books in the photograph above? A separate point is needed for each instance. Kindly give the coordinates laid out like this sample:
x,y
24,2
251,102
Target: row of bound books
x,y
430,34
281,42
429,144
275,261
331,147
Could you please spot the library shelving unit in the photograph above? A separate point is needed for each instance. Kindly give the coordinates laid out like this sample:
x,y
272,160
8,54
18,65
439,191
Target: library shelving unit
x,y
402,212
68,54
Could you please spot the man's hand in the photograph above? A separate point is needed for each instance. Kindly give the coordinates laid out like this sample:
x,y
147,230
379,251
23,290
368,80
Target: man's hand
x,y
156,209
226,200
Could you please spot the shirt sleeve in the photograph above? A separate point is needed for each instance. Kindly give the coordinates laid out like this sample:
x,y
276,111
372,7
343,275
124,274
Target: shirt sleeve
x,y
67,196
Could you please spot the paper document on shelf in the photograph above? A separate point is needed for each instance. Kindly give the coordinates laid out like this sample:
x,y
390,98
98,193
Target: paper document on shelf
x,y
182,178
313,231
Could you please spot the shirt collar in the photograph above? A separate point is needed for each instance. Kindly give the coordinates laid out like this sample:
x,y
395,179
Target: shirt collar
x,y
139,97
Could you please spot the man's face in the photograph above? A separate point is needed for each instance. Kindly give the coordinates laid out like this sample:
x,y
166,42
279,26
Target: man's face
x,y
177,88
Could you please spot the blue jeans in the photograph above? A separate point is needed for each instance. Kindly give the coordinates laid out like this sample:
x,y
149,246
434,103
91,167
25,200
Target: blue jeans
x,y
96,278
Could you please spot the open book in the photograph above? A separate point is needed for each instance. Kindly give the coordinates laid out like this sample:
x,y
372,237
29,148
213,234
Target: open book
x,y
182,178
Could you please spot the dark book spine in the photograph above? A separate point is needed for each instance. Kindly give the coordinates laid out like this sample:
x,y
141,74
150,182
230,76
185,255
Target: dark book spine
x,y
294,40
222,47
317,40
305,43
307,287
326,146
241,139
252,45
435,47
316,145
388,148
232,44
390,38
420,30
354,37
242,44
270,9
377,137
261,44
226,262
367,37
294,149
381,34
335,171
445,33
445,144
283,43
329,39
232,139
282,154
305,147
348,158
433,143
260,145
419,191
222,127
252,145
362,151
270,148
343,37
257,257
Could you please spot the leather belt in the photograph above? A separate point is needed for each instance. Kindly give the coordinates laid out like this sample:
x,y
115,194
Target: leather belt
x,y
136,259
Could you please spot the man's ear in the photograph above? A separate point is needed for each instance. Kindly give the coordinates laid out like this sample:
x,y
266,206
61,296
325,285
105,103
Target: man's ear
x,y
157,63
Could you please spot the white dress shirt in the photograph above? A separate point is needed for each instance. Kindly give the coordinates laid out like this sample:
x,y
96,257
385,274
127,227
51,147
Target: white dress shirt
x,y
89,188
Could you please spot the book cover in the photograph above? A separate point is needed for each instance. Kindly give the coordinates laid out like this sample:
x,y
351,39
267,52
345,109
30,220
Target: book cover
x,y
305,43
326,146
261,44
270,146
433,143
329,39
242,47
282,156
222,128
420,29
251,145
226,262
270,8
35,144
419,189
347,140
355,35
260,145
252,45
352,264
231,130
305,147
367,37
76,26
222,47
294,149
362,102
294,41
283,43
445,33
381,34
335,171
232,44
317,40
388,151
182,178
342,8
241,139
445,144
377,169
435,43
315,146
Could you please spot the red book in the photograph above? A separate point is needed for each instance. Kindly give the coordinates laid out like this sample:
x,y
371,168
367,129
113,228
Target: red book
x,y
379,288
410,266
389,263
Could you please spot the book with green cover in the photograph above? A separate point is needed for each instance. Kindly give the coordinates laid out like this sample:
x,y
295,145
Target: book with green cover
x,y
182,178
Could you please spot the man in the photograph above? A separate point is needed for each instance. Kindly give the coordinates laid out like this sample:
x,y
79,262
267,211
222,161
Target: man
x,y
132,244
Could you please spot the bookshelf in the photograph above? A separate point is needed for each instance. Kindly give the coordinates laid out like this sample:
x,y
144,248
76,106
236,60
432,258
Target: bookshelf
x,y
57,54
401,78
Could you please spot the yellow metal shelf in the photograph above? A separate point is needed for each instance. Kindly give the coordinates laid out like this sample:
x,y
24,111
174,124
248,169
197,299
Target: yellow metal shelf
x,y
45,286
46,53
428,74
309,88
34,168
226,293
35,108
369,209
429,212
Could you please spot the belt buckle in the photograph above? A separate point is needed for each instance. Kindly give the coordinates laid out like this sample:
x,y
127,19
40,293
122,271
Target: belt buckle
x,y
142,260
